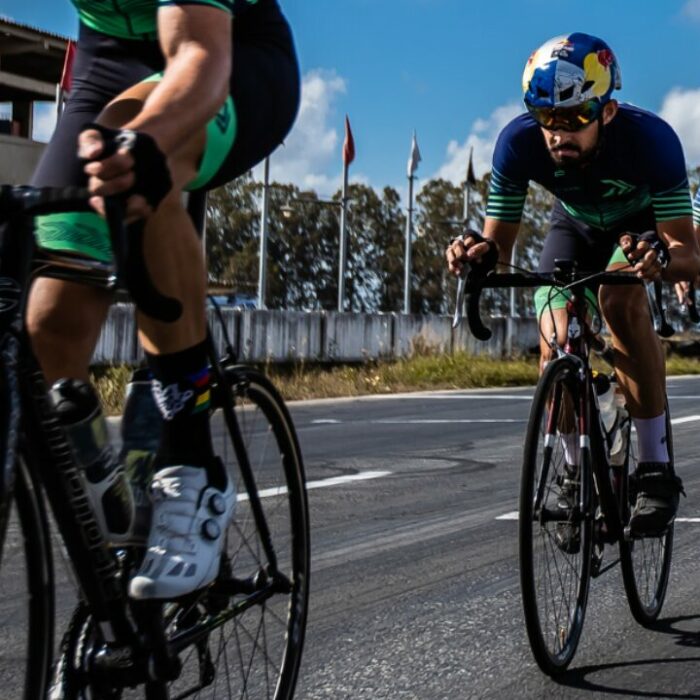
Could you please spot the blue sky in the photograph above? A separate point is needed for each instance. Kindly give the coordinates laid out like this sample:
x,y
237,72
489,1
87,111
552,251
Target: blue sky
x,y
451,70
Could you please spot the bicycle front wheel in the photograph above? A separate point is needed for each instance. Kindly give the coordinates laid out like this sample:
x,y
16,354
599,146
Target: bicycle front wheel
x,y
26,594
256,653
645,561
555,532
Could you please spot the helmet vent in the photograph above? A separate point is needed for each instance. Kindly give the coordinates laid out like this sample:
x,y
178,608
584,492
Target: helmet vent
x,y
566,93
587,86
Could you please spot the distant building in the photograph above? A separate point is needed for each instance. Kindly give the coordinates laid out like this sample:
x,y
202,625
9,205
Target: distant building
x,y
31,61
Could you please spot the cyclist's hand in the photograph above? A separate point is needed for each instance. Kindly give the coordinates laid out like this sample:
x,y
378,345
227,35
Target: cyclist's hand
x,y
647,253
124,162
682,291
471,248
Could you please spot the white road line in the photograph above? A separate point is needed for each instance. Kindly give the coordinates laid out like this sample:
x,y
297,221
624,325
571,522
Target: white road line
x,y
684,419
513,515
431,421
420,421
320,484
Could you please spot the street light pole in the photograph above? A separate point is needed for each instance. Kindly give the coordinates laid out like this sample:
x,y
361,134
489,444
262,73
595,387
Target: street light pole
x,y
262,274
407,257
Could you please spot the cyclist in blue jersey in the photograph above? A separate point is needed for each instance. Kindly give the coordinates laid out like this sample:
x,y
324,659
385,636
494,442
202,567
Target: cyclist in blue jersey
x,y
614,169
192,93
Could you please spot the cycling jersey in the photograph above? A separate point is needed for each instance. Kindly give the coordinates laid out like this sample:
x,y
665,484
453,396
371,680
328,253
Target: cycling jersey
x,y
136,19
640,164
696,208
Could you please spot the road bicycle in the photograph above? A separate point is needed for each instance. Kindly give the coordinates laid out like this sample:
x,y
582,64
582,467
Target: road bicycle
x,y
570,517
243,635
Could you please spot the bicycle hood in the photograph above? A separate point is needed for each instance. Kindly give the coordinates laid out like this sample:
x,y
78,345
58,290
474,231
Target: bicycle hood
x,y
567,71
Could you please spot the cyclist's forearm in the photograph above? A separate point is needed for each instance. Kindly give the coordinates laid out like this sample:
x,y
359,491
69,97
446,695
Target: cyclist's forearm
x,y
192,90
503,234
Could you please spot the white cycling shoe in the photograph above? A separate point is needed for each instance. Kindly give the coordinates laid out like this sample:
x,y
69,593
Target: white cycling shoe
x,y
188,529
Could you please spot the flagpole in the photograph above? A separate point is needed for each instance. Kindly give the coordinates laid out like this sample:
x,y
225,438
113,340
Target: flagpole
x,y
467,189
343,242
407,267
348,157
264,206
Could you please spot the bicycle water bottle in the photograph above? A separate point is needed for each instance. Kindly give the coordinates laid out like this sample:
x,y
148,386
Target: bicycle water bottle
x,y
606,401
105,482
618,449
140,432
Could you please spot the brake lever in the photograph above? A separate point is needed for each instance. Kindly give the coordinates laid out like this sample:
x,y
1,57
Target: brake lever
x,y
662,327
461,291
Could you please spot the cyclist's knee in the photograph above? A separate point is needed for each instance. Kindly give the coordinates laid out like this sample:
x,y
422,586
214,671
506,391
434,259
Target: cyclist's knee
x,y
622,307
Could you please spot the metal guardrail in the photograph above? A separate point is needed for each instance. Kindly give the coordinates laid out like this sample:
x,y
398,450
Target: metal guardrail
x,y
327,336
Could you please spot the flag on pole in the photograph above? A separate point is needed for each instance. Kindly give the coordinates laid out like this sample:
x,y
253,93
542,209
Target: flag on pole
x,y
67,75
348,144
414,158
471,178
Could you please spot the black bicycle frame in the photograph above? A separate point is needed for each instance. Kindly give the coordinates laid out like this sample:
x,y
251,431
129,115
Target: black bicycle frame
x,y
38,436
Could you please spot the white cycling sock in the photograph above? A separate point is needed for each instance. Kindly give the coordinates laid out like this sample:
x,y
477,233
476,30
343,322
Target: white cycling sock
x,y
651,439
572,448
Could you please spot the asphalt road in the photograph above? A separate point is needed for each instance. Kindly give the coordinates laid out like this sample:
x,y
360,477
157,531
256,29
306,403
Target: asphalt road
x,y
415,590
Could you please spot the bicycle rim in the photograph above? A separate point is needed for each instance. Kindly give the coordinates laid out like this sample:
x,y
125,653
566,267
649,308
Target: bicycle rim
x,y
554,582
26,595
257,653
645,562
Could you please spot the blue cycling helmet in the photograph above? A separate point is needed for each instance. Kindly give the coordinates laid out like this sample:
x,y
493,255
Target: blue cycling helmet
x,y
570,70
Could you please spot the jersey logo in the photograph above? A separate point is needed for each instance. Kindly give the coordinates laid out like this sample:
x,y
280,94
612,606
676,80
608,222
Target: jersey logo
x,y
223,117
617,188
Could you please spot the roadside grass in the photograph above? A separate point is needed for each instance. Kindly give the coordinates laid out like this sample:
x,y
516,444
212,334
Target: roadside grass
x,y
421,372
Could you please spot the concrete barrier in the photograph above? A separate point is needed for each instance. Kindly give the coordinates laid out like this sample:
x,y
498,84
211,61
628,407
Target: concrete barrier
x,y
294,336
280,336
417,333
354,337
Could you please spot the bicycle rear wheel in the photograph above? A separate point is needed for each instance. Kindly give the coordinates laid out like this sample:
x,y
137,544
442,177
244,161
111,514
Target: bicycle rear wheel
x,y
555,539
646,561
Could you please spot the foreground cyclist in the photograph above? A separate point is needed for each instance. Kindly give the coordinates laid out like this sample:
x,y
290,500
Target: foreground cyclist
x,y
193,94
614,169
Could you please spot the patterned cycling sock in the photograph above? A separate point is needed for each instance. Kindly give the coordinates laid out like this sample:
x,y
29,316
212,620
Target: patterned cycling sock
x,y
181,390
651,439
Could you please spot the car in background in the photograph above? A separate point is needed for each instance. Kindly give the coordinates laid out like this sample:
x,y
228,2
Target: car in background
x,y
234,301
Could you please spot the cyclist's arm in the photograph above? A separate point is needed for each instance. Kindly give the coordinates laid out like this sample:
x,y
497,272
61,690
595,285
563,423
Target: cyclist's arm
x,y
683,246
196,43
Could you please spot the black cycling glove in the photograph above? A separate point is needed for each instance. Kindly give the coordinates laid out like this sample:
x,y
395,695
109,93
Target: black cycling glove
x,y
663,255
151,174
489,259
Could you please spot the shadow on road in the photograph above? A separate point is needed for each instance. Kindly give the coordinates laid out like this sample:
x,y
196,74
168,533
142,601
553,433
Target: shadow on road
x,y
579,678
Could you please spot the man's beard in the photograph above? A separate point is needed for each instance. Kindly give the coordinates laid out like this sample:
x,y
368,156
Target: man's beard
x,y
572,162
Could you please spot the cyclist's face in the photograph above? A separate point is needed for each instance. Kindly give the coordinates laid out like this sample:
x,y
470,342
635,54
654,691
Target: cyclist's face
x,y
572,148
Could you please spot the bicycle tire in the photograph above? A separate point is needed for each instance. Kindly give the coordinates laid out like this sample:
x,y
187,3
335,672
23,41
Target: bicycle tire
x,y
262,414
24,536
645,562
27,537
554,582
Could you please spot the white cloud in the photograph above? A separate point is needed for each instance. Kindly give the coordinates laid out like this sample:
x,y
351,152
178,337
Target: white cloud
x,y
314,144
482,137
44,120
681,109
691,9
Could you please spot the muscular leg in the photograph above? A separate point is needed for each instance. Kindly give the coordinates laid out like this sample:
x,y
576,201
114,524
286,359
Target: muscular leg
x,y
639,358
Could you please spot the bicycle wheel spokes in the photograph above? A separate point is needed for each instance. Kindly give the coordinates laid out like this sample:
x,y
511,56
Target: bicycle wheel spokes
x,y
256,653
645,562
555,537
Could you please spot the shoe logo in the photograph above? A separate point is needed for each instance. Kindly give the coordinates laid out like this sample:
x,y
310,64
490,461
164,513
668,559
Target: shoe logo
x,y
170,399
